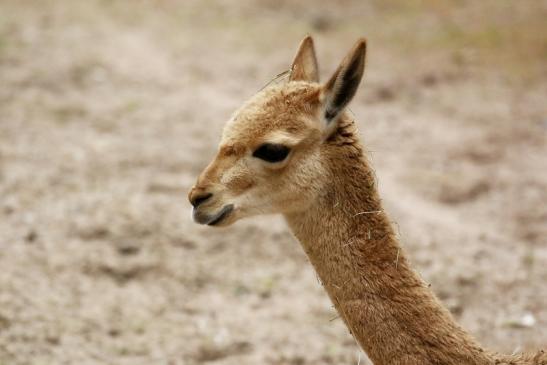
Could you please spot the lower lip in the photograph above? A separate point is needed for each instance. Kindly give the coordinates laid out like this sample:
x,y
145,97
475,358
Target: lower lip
x,y
226,212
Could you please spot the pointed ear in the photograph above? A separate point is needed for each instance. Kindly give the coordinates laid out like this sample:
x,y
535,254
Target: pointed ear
x,y
304,67
341,87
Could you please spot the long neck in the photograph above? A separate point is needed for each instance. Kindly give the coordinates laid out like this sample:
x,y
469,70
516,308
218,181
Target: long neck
x,y
387,307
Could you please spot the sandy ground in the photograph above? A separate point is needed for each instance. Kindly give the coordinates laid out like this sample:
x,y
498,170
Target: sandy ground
x,y
109,110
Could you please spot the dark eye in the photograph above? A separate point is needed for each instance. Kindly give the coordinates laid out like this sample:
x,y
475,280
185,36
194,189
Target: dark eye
x,y
272,152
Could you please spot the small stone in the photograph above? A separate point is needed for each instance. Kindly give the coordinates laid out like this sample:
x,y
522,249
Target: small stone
x,y
528,320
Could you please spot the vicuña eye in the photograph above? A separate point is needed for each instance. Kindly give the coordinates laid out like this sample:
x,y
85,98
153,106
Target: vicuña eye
x,y
272,152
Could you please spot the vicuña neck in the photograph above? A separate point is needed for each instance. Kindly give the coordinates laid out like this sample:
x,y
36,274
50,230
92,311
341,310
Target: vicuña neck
x,y
387,307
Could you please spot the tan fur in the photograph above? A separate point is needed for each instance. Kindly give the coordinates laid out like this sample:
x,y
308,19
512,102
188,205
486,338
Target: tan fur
x,y
326,191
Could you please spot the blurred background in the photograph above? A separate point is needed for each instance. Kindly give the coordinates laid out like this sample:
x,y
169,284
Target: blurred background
x,y
110,109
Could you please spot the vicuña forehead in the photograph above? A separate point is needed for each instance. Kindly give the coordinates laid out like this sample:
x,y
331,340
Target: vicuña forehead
x,y
276,109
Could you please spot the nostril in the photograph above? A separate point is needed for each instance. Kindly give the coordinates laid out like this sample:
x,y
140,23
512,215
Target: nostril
x,y
199,199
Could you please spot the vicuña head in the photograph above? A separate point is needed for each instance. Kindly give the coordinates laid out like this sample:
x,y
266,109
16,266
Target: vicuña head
x,y
271,157
292,149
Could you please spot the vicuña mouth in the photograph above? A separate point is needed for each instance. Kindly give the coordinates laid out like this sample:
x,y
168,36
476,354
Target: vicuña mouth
x,y
220,216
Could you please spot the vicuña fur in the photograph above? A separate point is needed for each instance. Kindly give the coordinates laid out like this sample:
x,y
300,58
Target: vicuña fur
x,y
292,149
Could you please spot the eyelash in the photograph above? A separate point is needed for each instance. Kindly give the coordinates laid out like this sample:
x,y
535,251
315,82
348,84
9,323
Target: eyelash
x,y
272,152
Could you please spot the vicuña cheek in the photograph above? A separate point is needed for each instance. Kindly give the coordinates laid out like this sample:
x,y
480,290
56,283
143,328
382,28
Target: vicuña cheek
x,y
237,184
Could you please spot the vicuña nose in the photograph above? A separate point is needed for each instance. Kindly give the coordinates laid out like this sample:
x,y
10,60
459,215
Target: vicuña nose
x,y
197,199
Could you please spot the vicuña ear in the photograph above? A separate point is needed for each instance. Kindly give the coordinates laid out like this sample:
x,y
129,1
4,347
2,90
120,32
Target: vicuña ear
x,y
341,87
304,67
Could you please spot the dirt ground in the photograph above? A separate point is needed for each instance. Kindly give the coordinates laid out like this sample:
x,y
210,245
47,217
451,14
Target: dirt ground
x,y
110,109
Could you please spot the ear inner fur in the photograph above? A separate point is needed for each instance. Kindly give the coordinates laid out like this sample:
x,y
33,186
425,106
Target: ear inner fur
x,y
343,84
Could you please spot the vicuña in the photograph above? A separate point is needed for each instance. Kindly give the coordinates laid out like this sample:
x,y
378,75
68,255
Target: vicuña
x,y
293,149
